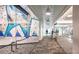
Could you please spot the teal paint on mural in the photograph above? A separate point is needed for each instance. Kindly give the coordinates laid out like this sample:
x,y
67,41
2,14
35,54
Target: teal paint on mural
x,y
9,27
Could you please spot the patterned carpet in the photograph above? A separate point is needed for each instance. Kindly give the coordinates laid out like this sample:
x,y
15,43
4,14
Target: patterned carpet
x,y
46,46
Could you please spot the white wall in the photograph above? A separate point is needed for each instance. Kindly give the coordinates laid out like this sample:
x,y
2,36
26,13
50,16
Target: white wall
x,y
65,43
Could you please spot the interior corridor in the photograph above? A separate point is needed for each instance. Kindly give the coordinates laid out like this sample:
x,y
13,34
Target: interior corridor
x,y
36,29
46,46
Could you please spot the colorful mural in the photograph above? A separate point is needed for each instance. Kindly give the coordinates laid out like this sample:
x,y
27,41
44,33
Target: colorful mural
x,y
34,30
3,20
17,23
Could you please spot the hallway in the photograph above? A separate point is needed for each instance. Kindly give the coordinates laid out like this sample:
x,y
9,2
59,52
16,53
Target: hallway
x,y
46,46
27,24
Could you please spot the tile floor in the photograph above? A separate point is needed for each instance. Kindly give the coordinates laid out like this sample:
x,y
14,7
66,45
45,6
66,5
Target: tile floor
x,y
46,46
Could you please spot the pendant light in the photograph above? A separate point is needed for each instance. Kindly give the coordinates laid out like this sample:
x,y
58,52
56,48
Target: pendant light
x,y
48,11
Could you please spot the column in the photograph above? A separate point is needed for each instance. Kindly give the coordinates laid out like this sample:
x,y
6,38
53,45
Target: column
x,y
75,29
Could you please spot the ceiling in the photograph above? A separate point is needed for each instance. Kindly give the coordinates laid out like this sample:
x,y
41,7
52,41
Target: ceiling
x,y
66,18
68,14
57,10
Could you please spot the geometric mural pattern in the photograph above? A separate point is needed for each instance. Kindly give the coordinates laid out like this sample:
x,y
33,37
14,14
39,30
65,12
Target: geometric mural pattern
x,y
17,23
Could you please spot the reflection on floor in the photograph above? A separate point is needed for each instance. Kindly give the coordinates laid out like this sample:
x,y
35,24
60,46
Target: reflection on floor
x,y
46,46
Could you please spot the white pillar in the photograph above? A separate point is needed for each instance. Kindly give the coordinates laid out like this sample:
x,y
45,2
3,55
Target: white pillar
x,y
40,30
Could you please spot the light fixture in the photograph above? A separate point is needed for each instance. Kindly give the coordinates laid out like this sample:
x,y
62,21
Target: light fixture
x,y
69,16
65,21
48,12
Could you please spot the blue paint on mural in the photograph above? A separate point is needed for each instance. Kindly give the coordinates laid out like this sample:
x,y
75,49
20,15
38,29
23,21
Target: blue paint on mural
x,y
8,29
9,34
13,24
18,34
1,33
26,31
34,34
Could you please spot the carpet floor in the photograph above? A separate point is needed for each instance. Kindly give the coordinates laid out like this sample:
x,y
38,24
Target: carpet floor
x,y
46,46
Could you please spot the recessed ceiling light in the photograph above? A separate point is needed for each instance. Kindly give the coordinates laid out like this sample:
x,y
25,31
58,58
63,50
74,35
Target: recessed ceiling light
x,y
48,13
69,16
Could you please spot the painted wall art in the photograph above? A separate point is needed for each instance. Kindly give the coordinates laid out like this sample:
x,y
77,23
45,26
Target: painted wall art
x,y
17,22
34,30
